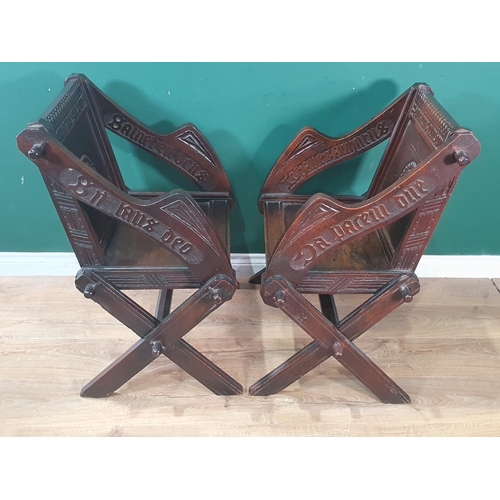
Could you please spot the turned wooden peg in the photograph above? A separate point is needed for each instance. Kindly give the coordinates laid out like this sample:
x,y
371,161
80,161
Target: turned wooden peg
x,y
37,151
216,295
279,298
406,293
89,291
157,348
337,350
461,158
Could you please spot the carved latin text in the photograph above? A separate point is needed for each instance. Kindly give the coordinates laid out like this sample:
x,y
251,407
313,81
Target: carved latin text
x,y
120,125
357,144
404,199
413,193
135,217
87,191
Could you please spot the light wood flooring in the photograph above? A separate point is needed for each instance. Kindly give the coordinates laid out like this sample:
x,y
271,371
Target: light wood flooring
x,y
443,349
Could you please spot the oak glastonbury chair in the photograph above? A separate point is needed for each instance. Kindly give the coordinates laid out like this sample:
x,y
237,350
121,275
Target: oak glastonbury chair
x,y
357,245
128,240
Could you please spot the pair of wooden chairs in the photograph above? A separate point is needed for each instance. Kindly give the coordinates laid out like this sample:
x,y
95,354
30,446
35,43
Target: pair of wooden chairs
x,y
317,244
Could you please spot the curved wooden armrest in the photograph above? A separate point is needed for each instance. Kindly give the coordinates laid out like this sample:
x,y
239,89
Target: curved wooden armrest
x,y
186,148
323,223
174,219
312,152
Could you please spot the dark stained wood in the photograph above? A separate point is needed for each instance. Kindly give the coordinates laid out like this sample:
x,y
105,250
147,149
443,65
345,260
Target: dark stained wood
x,y
128,312
164,303
328,308
371,244
164,335
129,240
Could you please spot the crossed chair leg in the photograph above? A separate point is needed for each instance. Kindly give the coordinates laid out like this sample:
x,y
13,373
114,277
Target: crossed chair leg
x,y
335,338
161,335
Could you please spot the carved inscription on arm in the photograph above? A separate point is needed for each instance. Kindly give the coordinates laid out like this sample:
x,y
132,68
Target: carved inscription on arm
x,y
331,234
86,190
142,137
340,150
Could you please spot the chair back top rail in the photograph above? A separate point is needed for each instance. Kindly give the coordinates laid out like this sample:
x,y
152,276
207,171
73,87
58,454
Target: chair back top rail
x,y
82,106
423,127
312,152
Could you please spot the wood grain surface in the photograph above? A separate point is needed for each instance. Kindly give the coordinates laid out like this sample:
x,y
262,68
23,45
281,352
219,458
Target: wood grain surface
x,y
443,349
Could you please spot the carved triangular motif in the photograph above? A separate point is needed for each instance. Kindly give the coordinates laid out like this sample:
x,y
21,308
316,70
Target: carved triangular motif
x,y
188,137
180,211
320,213
308,141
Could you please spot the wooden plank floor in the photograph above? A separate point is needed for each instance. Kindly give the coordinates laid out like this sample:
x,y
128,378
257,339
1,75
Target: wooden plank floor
x,y
443,349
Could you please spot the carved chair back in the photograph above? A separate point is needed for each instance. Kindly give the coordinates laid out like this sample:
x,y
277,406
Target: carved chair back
x,y
72,119
422,145
79,120
423,128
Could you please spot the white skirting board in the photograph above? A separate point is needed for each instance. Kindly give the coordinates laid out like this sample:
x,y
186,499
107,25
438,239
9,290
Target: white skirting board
x,y
431,266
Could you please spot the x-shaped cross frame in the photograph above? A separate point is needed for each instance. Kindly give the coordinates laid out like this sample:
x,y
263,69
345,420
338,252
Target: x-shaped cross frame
x,y
333,338
158,336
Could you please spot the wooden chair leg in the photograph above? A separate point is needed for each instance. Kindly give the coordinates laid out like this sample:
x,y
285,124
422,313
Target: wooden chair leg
x,y
338,341
328,308
301,362
256,279
164,303
142,323
291,370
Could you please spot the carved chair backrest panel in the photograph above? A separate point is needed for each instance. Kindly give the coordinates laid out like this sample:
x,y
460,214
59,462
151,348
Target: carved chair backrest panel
x,y
73,121
424,126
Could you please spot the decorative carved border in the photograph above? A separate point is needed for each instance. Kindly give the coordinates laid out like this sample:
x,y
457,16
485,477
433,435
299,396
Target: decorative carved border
x,y
149,278
430,120
120,125
66,113
189,138
330,283
71,218
416,241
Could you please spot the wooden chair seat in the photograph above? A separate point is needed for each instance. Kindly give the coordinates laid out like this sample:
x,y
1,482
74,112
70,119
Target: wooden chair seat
x,y
364,252
129,248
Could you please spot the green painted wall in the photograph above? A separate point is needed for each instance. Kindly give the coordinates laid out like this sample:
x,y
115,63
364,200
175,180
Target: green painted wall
x,y
250,112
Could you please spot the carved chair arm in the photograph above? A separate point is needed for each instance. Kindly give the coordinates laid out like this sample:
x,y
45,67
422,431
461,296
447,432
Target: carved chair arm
x,y
186,148
323,223
173,219
312,152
